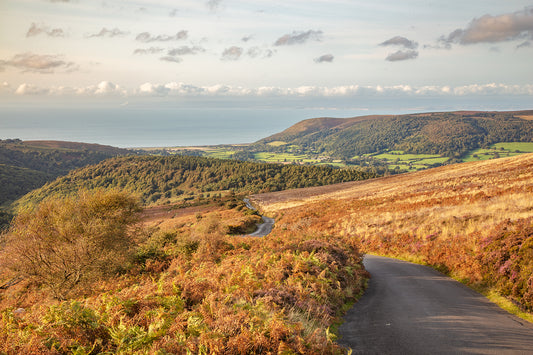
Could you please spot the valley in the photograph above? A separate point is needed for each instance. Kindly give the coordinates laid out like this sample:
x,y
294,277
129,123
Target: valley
x,y
387,144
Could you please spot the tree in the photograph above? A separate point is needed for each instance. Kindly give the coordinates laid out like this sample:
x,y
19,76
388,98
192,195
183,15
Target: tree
x,y
65,244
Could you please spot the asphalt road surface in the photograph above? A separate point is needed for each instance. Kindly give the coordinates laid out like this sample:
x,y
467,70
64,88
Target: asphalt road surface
x,y
412,309
264,228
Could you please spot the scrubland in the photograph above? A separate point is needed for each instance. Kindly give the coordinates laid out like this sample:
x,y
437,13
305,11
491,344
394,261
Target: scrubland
x,y
473,221
191,284
190,281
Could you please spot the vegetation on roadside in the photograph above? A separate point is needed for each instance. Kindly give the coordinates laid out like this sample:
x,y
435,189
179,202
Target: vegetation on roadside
x,y
473,221
188,287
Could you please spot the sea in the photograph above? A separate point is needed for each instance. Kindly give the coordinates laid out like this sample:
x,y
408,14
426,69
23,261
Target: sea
x,y
142,128
162,126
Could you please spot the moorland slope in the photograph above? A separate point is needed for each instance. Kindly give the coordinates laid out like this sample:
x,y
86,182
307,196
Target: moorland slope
x,y
473,221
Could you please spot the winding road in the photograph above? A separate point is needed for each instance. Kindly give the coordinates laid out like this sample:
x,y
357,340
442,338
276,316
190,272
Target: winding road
x,y
264,228
413,309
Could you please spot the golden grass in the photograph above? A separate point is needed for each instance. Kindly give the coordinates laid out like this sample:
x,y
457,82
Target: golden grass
x,y
445,217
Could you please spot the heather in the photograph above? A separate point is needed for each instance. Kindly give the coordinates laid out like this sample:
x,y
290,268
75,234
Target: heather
x,y
473,221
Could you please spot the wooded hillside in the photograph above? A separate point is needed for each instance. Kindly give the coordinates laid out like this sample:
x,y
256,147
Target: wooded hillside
x,y
159,179
450,134
26,165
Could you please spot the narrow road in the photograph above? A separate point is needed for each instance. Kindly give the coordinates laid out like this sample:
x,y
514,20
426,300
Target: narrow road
x,y
412,309
264,228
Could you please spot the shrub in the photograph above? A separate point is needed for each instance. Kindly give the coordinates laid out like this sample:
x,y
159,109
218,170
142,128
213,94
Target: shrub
x,y
66,243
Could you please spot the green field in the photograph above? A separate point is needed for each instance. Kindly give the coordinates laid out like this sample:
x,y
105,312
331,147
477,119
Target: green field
x,y
393,160
219,153
283,158
404,157
276,143
499,150
408,162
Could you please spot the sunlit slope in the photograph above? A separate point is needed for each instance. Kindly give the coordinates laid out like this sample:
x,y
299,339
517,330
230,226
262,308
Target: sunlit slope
x,y
471,220
490,177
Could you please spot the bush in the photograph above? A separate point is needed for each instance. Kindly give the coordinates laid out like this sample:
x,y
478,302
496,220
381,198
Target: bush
x,y
65,244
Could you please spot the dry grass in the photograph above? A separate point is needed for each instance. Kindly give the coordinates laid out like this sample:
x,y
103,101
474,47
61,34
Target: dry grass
x,y
470,220
194,289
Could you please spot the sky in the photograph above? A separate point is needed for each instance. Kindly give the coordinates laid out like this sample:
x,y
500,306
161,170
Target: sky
x,y
346,57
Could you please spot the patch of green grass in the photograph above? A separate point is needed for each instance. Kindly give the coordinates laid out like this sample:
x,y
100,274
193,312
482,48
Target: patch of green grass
x,y
498,150
405,157
522,147
283,157
221,153
431,161
509,306
409,162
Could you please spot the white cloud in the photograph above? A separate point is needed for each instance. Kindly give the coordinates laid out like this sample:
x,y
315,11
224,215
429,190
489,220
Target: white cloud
x,y
326,58
151,50
36,30
213,5
186,50
257,52
104,32
147,37
29,89
175,89
171,59
232,53
400,41
38,63
525,44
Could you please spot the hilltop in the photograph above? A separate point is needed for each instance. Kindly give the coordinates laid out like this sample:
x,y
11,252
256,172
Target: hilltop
x,y
451,134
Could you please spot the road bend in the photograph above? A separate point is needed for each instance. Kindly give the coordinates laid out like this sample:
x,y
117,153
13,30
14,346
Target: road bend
x,y
264,228
413,309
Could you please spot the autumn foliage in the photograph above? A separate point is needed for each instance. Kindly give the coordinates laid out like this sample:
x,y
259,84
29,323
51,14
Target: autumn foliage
x,y
473,221
192,288
65,244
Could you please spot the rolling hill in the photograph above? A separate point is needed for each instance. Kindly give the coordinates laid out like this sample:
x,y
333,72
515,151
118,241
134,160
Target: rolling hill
x,y
447,134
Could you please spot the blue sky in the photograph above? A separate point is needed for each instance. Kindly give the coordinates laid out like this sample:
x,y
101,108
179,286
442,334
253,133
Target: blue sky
x,y
310,54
